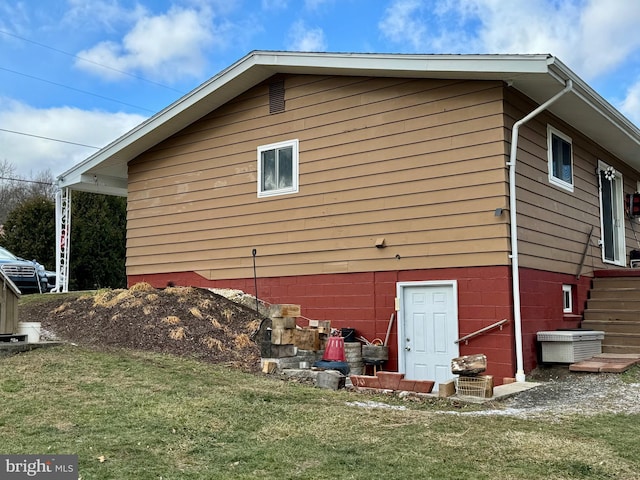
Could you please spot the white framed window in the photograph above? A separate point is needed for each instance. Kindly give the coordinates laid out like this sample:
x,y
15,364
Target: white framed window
x,y
560,156
278,168
567,298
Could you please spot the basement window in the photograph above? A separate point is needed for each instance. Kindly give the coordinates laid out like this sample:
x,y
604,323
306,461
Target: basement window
x,y
560,157
278,168
567,298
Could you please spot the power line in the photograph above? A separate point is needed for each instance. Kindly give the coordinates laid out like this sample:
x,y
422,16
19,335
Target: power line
x,y
91,61
75,89
48,138
26,181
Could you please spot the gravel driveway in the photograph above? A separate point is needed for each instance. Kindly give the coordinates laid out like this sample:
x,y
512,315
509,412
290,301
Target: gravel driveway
x,y
562,393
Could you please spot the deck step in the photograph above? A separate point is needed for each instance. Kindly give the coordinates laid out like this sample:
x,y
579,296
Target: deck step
x,y
622,339
613,307
612,326
614,303
615,282
610,314
623,349
614,294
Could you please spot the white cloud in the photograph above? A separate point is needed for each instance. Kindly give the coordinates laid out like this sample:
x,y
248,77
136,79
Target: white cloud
x,y
33,155
591,37
631,104
610,34
315,4
305,39
101,14
274,4
14,16
401,23
167,47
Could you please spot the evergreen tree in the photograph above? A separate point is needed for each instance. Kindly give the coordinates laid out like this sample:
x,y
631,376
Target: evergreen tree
x,y
98,238
98,241
30,230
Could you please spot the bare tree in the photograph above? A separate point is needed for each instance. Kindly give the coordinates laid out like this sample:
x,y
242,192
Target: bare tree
x,y
15,189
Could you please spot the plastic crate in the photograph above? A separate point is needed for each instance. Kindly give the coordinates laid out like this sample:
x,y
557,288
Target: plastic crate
x,y
570,346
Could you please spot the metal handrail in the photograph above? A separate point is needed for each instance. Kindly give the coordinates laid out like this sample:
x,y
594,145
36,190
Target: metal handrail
x,y
584,254
481,331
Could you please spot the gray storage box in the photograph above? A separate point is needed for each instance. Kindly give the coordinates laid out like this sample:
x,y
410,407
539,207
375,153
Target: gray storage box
x,y
570,346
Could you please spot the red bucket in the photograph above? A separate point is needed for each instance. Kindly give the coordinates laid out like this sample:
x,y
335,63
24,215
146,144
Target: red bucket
x,y
334,351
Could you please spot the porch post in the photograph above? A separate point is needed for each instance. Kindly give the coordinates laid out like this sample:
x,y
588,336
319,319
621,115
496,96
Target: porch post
x,y
63,239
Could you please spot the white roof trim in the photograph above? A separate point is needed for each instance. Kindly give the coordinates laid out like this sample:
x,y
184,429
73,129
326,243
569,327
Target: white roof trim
x,y
537,76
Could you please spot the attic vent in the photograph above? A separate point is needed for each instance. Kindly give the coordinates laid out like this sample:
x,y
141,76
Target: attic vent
x,y
276,97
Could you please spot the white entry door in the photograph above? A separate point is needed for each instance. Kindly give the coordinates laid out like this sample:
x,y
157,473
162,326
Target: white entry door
x,y
612,215
427,329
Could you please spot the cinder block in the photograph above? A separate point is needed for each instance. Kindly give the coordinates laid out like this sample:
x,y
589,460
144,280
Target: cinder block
x,y
330,379
280,351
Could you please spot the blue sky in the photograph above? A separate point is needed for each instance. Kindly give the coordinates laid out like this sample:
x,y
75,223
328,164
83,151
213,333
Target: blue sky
x,y
86,71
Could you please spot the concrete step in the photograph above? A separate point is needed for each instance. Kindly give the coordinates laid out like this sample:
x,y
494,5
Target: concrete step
x,y
612,326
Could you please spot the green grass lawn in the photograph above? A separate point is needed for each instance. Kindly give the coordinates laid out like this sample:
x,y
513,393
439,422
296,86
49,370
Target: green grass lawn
x,y
156,416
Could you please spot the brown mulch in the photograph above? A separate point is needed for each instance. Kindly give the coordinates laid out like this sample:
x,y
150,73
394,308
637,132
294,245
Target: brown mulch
x,y
182,321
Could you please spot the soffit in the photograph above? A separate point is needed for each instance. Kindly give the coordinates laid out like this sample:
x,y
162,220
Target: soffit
x,y
537,76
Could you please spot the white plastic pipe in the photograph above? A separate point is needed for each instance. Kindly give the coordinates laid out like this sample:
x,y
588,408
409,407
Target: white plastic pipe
x,y
517,317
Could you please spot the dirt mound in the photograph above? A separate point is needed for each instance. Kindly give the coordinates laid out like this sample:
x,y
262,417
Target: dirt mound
x,y
178,320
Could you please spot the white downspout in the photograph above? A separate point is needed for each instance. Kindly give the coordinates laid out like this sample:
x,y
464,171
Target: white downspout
x,y
517,318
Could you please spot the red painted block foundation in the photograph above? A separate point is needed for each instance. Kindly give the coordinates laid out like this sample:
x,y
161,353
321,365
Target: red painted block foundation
x,y
365,301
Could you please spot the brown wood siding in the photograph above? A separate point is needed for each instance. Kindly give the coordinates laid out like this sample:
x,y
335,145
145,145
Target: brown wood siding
x,y
418,162
553,223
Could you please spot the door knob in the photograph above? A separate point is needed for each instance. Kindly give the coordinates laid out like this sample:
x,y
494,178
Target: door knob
x,y
408,349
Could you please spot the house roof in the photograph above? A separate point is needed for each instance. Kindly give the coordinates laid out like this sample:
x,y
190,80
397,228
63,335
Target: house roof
x,y
536,76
